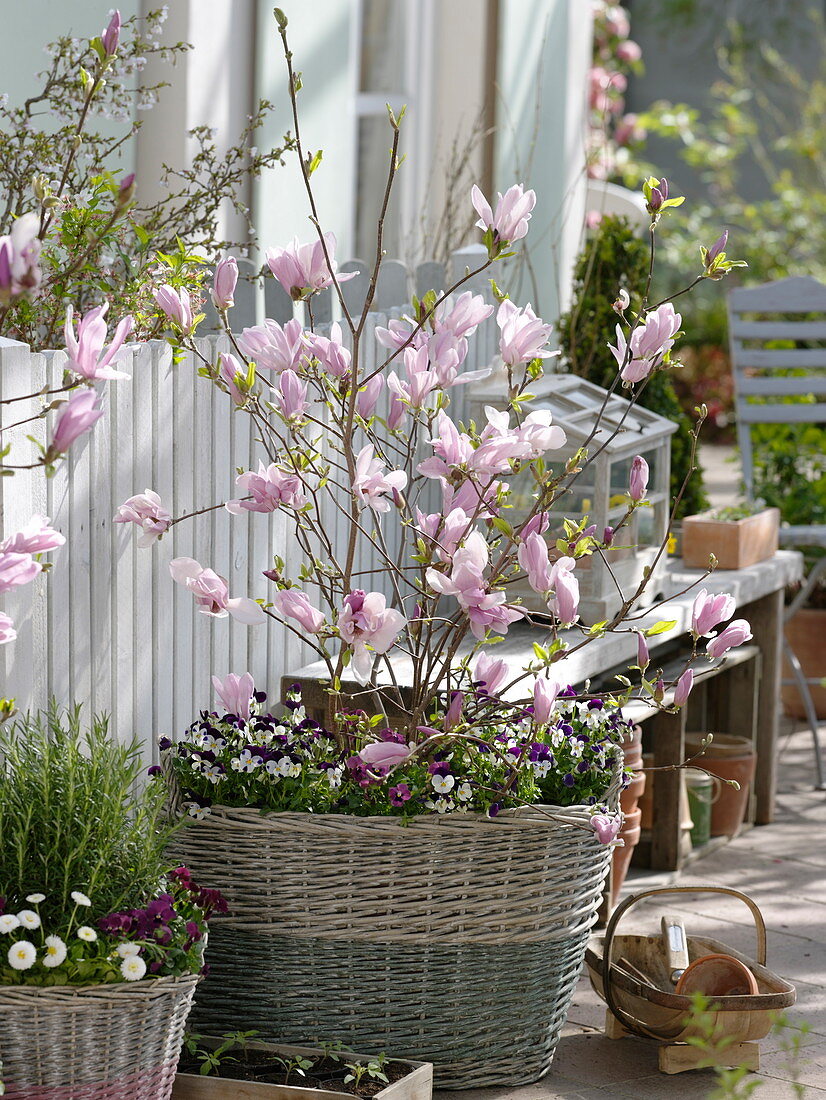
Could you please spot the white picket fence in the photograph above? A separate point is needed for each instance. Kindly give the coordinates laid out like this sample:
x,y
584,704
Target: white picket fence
x,y
106,626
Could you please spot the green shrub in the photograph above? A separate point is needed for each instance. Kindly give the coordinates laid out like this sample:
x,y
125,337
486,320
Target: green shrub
x,y
616,258
75,815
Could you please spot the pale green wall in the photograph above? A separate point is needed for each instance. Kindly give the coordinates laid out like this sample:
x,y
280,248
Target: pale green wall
x,y
544,50
320,37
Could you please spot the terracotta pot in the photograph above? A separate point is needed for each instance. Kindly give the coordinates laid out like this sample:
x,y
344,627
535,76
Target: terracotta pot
x,y
805,631
629,798
632,751
727,757
717,976
621,857
735,543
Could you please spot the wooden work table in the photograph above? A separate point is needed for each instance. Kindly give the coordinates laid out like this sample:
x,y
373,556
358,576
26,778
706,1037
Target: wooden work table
x,y
750,681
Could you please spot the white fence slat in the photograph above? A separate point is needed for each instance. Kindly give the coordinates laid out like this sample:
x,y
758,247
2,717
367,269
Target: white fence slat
x,y
354,291
108,627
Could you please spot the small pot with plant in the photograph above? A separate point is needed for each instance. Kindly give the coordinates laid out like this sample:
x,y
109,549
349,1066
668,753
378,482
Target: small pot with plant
x,y
101,941
736,536
270,1071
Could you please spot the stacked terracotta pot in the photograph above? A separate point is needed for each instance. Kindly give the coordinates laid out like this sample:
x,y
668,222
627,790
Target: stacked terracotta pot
x,y
629,803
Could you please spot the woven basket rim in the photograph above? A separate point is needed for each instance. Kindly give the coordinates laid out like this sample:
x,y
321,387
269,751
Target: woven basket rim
x,y
142,985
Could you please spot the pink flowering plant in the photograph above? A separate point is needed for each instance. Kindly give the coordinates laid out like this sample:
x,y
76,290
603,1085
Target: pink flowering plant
x,y
427,500
166,937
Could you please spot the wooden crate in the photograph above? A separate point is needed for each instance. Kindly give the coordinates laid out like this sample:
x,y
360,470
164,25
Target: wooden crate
x,y
735,544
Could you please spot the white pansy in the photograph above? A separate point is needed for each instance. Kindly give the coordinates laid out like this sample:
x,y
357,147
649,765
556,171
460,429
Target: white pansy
x,y
22,955
128,950
334,776
8,922
441,805
35,899
28,918
541,768
55,952
464,791
133,968
443,783
80,899
196,810
87,933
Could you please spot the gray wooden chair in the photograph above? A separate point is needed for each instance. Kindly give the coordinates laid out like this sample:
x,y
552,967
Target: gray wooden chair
x,y
758,315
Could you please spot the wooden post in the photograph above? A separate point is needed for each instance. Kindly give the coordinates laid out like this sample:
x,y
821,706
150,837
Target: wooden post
x,y
766,618
668,731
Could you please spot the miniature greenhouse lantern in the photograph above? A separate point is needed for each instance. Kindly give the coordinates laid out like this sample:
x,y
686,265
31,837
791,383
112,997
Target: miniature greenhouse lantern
x,y
601,490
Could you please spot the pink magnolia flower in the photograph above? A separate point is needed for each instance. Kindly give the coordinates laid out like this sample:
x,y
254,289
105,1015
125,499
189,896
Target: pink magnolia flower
x,y
445,531
565,601
453,714
303,269
545,692
235,693
397,414
147,512
368,396
228,371
399,332
19,258
628,130
736,633
537,525
224,283
385,754
462,316
176,305
643,656
372,486
683,688
211,592
486,610
523,334
367,620
273,347
17,569
420,379
7,631
489,672
709,611
540,434
290,396
35,538
513,212
291,603
270,488
606,827
86,353
649,343
473,498
331,352
452,448
111,36
533,559
638,479
78,415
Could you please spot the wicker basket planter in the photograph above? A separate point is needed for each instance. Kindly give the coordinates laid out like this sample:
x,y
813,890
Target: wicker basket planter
x,y
417,1084
103,1042
456,940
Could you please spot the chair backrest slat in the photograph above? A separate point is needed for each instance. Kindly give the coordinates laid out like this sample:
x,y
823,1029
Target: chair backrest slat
x,y
760,316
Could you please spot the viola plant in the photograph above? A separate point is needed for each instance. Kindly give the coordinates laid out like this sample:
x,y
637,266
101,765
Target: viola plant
x,y
485,758
164,938
427,498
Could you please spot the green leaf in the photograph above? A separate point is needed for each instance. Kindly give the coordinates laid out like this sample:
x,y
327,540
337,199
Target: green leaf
x,y
660,628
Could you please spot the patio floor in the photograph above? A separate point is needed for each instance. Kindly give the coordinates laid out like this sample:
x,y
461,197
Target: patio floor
x,y
783,867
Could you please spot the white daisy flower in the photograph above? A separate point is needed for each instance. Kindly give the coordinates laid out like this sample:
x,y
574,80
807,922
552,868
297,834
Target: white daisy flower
x,y
133,968
22,955
80,899
55,952
35,899
87,933
443,783
128,950
28,918
8,922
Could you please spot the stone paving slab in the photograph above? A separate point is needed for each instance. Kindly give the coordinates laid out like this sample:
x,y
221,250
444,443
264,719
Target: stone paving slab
x,y
783,867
